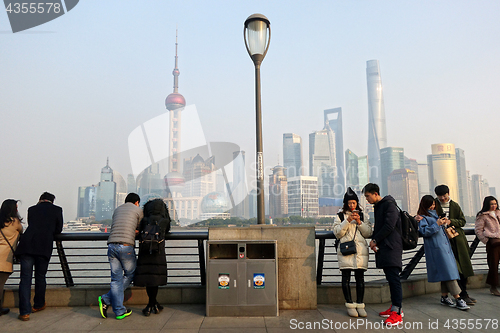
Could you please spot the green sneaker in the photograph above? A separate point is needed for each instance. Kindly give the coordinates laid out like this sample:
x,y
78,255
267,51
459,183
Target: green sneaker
x,y
126,314
103,308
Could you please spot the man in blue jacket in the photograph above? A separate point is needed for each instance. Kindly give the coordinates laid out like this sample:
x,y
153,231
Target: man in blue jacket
x,y
45,220
388,247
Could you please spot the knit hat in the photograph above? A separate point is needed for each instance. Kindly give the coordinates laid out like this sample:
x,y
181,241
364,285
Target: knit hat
x,y
350,195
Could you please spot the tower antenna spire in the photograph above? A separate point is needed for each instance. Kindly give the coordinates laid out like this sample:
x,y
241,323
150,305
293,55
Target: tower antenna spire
x,y
176,71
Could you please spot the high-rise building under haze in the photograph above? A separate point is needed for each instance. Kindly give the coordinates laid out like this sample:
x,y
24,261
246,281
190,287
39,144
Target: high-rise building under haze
x,y
106,195
278,193
391,158
442,166
403,186
351,167
463,188
292,155
303,196
363,171
334,119
239,186
322,160
377,134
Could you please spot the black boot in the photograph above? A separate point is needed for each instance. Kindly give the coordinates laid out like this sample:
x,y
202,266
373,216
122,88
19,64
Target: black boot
x,y
147,310
157,308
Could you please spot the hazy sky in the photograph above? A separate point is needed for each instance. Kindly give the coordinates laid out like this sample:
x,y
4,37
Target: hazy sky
x,y
73,89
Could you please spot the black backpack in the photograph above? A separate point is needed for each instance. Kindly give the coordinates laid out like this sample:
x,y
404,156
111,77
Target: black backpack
x,y
341,217
409,228
151,235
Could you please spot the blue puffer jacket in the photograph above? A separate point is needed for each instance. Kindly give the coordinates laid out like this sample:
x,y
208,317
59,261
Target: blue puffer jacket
x,y
439,258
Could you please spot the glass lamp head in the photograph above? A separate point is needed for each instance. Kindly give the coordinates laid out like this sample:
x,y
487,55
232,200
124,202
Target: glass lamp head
x,y
257,34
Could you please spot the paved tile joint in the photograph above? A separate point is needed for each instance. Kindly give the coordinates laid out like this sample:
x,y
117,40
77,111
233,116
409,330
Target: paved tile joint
x,y
422,314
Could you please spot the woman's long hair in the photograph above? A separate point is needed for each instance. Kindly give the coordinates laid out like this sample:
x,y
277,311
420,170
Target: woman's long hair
x,y
8,212
486,204
425,204
345,207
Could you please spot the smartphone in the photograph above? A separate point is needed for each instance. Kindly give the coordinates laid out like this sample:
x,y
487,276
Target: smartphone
x,y
442,215
356,211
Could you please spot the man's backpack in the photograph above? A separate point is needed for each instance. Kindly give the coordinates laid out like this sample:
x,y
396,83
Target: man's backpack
x,y
151,235
341,217
409,228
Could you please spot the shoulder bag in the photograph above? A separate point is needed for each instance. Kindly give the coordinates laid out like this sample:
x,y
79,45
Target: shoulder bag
x,y
15,260
348,248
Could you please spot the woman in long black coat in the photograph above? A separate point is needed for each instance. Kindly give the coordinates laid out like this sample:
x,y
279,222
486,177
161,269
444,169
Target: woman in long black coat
x,y
151,270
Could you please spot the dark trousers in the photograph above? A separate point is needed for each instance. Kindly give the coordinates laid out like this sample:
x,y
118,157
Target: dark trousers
x,y
392,276
462,282
493,257
359,275
152,292
41,265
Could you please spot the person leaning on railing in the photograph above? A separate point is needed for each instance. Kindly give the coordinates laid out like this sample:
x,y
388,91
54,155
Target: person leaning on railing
x,y
488,231
10,228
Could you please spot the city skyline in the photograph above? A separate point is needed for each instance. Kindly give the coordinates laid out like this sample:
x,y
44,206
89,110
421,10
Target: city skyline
x,y
93,79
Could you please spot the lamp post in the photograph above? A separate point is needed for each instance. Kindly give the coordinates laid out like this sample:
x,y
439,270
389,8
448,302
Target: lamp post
x,y
257,34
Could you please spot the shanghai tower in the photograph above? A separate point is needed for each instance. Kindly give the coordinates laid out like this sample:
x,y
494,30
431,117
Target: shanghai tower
x,y
377,135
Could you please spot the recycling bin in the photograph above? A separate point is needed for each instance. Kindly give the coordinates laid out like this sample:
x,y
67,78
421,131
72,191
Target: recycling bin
x,y
242,278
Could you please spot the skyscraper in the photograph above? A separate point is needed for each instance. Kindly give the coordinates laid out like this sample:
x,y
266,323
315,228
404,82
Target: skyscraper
x,y
363,171
391,158
423,180
403,186
443,168
175,103
239,186
334,119
292,155
352,172
106,194
278,193
463,189
303,196
322,160
377,134
477,186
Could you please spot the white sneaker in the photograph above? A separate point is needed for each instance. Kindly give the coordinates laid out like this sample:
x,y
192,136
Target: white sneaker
x,y
462,305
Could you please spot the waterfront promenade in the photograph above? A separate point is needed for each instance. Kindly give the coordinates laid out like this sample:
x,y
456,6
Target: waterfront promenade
x,y
420,312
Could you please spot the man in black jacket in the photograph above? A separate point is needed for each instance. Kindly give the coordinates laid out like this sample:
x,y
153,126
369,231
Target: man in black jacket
x,y
388,247
35,249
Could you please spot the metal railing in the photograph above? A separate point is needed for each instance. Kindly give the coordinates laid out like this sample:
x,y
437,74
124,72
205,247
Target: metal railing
x,y
80,259
413,260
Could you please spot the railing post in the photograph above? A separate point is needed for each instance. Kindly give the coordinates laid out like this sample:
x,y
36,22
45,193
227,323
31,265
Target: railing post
x,y
473,246
201,258
64,264
321,257
405,274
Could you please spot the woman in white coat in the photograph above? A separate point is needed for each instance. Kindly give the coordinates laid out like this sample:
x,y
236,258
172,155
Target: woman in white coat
x,y
351,224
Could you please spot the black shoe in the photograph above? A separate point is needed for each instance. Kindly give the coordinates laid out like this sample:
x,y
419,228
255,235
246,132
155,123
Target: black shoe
x,y
147,310
103,308
157,308
4,311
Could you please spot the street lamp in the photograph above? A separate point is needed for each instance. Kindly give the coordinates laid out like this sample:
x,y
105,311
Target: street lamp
x,y
257,34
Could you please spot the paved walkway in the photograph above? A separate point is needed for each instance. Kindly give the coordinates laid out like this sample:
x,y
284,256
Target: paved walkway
x,y
420,312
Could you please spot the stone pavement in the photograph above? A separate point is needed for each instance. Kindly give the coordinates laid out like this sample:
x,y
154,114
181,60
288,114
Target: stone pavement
x,y
422,314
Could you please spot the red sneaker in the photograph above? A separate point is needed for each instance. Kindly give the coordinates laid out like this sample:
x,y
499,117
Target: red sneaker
x,y
394,319
387,313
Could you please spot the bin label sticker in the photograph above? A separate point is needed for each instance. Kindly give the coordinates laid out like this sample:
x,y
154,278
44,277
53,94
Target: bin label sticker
x,y
224,281
259,281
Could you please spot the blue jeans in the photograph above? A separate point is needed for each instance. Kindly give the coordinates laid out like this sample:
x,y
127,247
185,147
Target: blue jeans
x,y
41,265
122,261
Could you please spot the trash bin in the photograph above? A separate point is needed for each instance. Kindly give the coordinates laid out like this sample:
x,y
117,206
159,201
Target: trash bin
x,y
242,278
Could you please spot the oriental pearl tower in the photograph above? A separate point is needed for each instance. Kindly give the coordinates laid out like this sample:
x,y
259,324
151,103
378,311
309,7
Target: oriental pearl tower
x,y
174,103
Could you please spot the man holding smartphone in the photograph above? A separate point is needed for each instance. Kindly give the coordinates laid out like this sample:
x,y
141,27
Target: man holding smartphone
x,y
455,217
